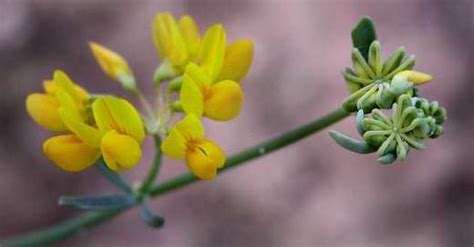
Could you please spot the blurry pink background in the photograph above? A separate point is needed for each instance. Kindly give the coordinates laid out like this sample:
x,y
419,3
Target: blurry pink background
x,y
313,193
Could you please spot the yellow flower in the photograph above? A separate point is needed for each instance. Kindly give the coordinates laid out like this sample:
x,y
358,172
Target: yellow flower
x,y
186,140
118,137
176,41
211,89
414,77
122,130
43,107
220,101
114,65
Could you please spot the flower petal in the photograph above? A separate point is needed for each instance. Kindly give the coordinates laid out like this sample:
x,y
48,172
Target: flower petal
x,y
85,132
415,77
43,108
190,32
117,114
63,82
174,144
237,61
69,153
224,101
51,88
168,39
212,50
191,94
120,152
204,158
190,127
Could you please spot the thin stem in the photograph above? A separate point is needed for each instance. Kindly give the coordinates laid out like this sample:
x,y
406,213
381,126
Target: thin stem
x,y
155,168
113,177
91,219
257,150
146,106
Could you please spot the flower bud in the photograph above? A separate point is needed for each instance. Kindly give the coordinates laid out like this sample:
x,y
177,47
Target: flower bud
x,y
114,65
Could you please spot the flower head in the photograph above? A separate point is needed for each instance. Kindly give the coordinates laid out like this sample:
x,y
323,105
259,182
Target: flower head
x,y
186,140
377,83
412,121
110,126
43,107
211,88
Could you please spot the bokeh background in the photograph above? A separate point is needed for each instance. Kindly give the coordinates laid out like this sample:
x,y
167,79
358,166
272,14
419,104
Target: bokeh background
x,y
310,194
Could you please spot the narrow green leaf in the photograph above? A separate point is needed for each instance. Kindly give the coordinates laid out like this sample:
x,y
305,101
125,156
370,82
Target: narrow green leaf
x,y
151,218
363,35
102,202
350,144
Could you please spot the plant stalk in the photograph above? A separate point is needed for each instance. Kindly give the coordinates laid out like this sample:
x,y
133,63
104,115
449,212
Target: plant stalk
x,y
91,219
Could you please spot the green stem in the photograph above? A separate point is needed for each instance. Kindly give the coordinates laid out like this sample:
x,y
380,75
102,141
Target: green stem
x,y
257,150
113,177
155,167
91,219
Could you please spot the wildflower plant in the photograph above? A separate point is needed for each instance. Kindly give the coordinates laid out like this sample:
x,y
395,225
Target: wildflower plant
x,y
200,76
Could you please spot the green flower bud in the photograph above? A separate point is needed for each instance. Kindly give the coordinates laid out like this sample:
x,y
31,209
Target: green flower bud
x,y
375,57
411,122
370,81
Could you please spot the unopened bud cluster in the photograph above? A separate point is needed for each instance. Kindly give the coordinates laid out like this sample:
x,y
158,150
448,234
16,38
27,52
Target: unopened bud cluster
x,y
376,84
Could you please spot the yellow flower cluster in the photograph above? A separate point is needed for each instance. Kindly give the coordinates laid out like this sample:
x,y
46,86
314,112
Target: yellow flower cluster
x,y
211,72
108,126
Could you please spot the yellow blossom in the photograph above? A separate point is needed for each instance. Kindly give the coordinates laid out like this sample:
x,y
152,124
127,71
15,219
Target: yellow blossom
x,y
122,130
220,100
43,107
211,88
176,41
114,65
186,141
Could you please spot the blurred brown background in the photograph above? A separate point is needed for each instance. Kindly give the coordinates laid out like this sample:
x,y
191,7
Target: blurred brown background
x,y
310,194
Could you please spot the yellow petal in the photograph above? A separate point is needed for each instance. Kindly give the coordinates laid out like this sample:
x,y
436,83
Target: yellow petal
x,y
85,132
415,77
43,108
168,39
212,50
81,93
223,101
191,94
191,36
117,114
69,153
237,61
204,157
120,152
63,82
112,63
66,101
174,145
51,88
161,34
190,127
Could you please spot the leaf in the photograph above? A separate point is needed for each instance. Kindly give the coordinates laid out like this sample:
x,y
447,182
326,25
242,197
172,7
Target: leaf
x,y
107,201
363,35
151,218
350,144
